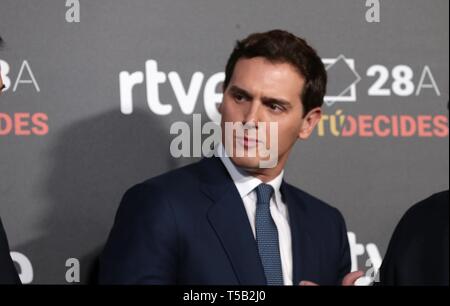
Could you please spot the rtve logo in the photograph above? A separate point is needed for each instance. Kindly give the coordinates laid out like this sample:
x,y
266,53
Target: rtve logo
x,y
187,98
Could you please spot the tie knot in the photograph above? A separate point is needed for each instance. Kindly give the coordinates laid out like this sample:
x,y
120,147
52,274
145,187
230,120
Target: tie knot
x,y
264,193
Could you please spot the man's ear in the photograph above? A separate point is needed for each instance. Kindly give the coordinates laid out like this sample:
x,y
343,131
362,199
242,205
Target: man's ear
x,y
309,122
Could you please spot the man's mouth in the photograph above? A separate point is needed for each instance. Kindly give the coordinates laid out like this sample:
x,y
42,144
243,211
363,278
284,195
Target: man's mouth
x,y
247,142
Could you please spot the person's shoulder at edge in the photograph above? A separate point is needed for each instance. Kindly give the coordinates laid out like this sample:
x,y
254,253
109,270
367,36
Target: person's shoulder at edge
x,y
439,199
427,211
423,219
8,273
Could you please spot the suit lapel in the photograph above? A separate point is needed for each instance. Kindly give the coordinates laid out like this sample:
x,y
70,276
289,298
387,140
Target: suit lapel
x,y
229,220
305,261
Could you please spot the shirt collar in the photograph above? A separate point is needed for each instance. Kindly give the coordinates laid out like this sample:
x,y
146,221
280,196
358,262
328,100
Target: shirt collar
x,y
244,182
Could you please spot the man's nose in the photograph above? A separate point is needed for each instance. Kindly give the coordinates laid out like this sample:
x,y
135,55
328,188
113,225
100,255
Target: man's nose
x,y
252,116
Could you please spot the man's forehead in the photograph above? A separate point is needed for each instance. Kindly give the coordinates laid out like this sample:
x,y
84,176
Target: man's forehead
x,y
268,64
260,67
262,75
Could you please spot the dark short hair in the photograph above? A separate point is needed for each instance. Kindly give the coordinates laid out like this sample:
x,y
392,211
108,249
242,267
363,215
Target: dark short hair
x,y
284,47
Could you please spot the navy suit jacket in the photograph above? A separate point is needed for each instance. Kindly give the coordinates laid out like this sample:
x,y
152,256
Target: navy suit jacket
x,y
189,226
418,253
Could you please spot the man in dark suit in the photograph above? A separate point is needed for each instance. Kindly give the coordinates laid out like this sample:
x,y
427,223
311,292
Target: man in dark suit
x,y
8,273
228,220
418,250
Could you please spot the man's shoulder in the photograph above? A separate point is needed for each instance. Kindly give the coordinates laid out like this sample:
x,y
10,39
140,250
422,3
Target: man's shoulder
x,y
149,197
187,173
312,204
172,181
434,202
429,211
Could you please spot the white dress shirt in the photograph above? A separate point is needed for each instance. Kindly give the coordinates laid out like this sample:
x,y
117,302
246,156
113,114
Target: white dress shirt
x,y
246,185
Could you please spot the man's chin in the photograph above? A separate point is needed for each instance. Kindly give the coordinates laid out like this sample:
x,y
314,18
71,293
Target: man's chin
x,y
247,162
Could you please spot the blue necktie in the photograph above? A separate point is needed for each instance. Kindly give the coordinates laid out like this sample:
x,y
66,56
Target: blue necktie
x,y
267,237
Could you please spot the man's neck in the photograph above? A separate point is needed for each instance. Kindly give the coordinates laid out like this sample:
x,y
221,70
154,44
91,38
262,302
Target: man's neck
x,y
265,174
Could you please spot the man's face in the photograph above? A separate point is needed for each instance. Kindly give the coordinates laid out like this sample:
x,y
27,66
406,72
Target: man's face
x,y
262,91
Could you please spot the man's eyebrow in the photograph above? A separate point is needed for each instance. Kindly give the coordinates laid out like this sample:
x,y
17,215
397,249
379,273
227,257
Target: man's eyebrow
x,y
282,102
279,101
241,91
